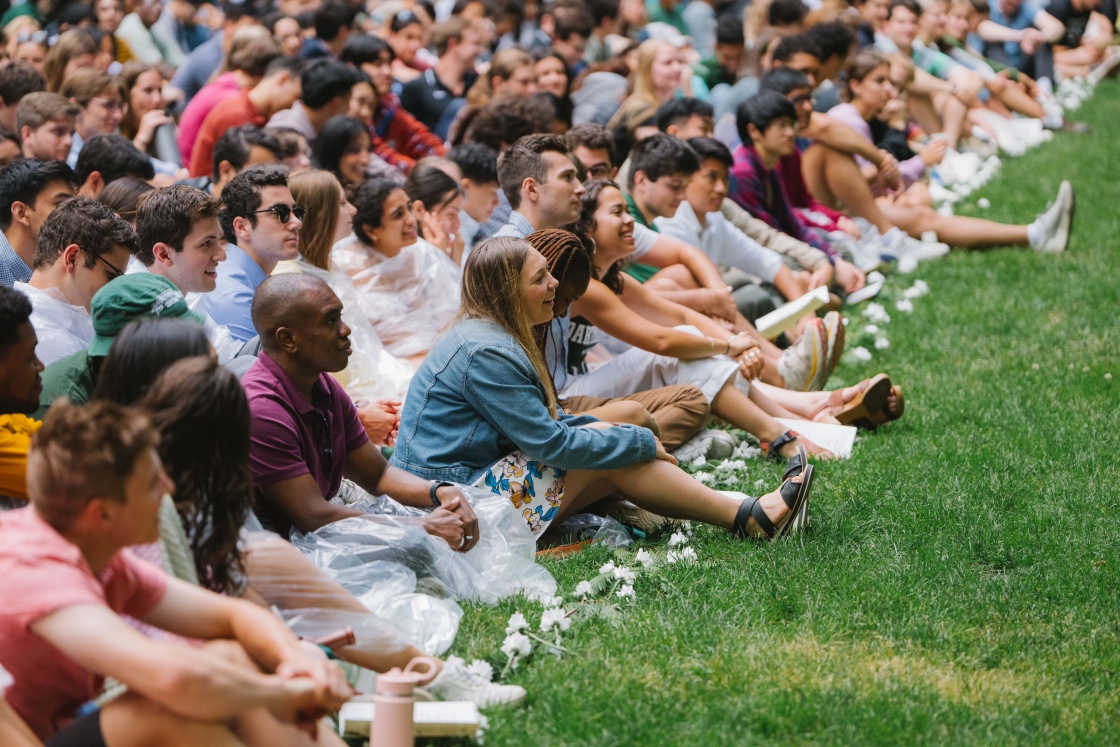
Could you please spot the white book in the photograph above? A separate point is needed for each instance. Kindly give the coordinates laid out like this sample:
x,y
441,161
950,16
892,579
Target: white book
x,y
431,719
785,317
838,439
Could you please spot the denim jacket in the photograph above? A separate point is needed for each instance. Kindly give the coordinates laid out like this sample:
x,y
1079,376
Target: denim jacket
x,y
477,398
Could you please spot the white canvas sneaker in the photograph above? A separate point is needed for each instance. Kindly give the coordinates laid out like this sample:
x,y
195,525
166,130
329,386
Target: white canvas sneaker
x,y
456,682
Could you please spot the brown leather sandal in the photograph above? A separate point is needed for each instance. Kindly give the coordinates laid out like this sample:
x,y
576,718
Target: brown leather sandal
x,y
884,415
869,400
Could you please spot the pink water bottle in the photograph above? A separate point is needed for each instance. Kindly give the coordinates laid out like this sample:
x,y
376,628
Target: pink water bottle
x,y
393,703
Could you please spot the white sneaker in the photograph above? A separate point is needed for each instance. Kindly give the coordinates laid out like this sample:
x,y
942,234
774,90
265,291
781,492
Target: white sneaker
x,y
903,245
710,444
1055,223
798,364
834,334
456,682
626,512
1106,66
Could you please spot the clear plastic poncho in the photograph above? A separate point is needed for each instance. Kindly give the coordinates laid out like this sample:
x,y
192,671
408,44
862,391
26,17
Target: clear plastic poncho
x,y
373,372
408,298
384,559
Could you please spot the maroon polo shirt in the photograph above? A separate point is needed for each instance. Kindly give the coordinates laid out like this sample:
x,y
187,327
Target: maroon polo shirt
x,y
290,436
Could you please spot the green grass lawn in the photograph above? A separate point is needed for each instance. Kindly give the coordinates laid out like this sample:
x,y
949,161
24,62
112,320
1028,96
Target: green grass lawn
x,y
959,583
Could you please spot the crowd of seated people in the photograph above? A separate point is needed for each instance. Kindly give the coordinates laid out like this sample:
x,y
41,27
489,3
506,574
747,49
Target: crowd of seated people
x,y
280,265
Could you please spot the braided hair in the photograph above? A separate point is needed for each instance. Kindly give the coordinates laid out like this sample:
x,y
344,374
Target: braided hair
x,y
568,260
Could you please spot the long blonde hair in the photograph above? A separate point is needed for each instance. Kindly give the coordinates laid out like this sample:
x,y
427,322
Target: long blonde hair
x,y
317,192
492,290
502,65
643,102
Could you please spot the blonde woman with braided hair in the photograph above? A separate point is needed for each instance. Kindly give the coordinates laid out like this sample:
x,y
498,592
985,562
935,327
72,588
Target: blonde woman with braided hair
x,y
481,410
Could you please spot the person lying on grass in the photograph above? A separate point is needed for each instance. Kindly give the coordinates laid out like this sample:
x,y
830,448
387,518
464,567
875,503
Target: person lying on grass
x,y
481,409
95,482
590,298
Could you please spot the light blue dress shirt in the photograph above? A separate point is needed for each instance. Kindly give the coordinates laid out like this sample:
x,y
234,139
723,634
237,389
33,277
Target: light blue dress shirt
x,y
230,303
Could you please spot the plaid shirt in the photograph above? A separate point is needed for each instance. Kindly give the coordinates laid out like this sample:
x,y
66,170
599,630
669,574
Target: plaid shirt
x,y
761,192
399,139
12,267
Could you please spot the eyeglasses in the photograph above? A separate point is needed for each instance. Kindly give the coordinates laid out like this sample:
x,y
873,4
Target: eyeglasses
x,y
600,171
116,273
39,37
113,105
283,213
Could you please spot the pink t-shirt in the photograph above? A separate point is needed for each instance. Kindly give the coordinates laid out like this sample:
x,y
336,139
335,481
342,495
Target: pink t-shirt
x,y
40,573
191,122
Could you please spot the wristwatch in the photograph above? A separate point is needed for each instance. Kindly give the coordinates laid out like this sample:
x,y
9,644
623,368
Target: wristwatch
x,y
432,491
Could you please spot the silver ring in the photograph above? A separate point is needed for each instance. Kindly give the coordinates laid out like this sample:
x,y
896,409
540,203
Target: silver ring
x,y
468,537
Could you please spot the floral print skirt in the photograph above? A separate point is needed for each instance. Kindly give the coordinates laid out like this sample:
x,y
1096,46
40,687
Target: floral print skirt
x,y
534,489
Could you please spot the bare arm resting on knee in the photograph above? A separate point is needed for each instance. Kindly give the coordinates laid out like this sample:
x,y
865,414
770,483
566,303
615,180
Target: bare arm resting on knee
x,y
197,683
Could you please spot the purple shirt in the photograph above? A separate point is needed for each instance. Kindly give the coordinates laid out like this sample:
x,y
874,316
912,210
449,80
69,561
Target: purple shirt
x,y
191,122
290,436
911,170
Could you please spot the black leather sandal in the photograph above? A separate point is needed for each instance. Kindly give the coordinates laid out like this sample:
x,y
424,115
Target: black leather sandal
x,y
772,451
796,464
794,494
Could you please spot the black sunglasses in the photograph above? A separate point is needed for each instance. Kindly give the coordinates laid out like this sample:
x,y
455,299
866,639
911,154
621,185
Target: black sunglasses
x,y
117,273
282,212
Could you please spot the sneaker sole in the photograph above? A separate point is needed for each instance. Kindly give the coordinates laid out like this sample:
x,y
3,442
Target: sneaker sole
x,y
833,339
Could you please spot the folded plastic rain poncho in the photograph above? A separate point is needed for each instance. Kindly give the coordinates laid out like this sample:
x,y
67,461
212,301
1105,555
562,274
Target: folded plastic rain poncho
x,y
408,298
382,560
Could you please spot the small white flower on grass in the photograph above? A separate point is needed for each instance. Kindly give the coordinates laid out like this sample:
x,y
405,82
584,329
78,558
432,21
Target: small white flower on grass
x,y
624,574
984,203
882,343
480,668
730,465
1108,376
517,622
1085,370
871,329
607,567
876,313
699,461
626,592
678,538
688,555
759,483
919,288
1071,367
644,558
746,451
583,588
861,353
1034,366
904,305
672,556
517,644
704,477
554,618
845,320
